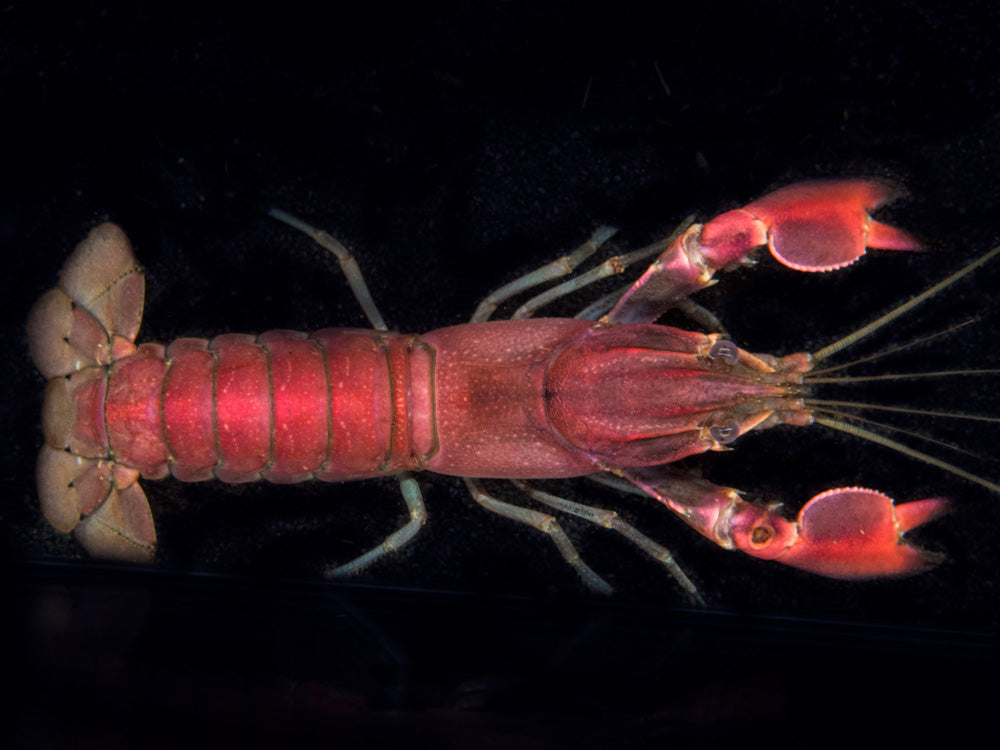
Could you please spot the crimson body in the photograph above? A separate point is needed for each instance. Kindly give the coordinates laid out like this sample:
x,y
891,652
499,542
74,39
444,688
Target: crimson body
x,y
514,399
538,398
282,406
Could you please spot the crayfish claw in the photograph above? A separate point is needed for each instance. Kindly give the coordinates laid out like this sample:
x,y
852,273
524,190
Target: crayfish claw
x,y
918,512
821,225
824,225
849,533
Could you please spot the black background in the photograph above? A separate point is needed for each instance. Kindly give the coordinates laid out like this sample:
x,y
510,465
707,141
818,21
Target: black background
x,y
454,148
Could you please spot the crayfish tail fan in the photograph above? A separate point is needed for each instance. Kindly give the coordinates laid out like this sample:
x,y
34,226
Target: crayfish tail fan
x,y
100,502
93,316
74,332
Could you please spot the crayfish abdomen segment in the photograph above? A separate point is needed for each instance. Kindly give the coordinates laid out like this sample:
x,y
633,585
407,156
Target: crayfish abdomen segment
x,y
287,406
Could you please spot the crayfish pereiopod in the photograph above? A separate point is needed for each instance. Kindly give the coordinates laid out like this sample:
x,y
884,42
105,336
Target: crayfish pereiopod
x,y
608,393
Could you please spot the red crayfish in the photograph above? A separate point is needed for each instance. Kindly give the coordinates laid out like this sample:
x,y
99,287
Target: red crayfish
x,y
609,392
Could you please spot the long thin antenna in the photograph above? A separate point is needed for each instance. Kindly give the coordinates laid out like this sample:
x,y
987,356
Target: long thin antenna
x,y
849,379
874,437
851,418
893,350
899,410
869,329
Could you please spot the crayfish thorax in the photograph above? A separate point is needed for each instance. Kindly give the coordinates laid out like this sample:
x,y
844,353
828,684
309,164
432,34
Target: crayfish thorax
x,y
641,395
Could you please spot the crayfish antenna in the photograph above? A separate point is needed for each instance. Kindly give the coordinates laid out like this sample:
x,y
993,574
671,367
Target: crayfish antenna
x,y
867,330
826,412
813,375
874,437
854,418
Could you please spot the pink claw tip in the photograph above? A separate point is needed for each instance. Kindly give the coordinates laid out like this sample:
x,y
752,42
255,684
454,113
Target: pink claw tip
x,y
918,512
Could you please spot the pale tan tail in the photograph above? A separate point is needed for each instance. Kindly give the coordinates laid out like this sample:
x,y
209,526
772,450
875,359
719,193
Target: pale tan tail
x,y
74,332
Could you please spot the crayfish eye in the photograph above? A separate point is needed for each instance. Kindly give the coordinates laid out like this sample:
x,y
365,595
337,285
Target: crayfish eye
x,y
725,433
727,351
761,535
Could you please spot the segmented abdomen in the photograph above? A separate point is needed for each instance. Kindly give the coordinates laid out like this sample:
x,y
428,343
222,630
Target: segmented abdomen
x,y
284,406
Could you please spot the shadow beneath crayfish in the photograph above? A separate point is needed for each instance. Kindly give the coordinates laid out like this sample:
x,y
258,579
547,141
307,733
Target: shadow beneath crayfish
x,y
114,657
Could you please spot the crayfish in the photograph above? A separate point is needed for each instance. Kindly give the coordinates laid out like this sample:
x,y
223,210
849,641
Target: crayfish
x,y
609,394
